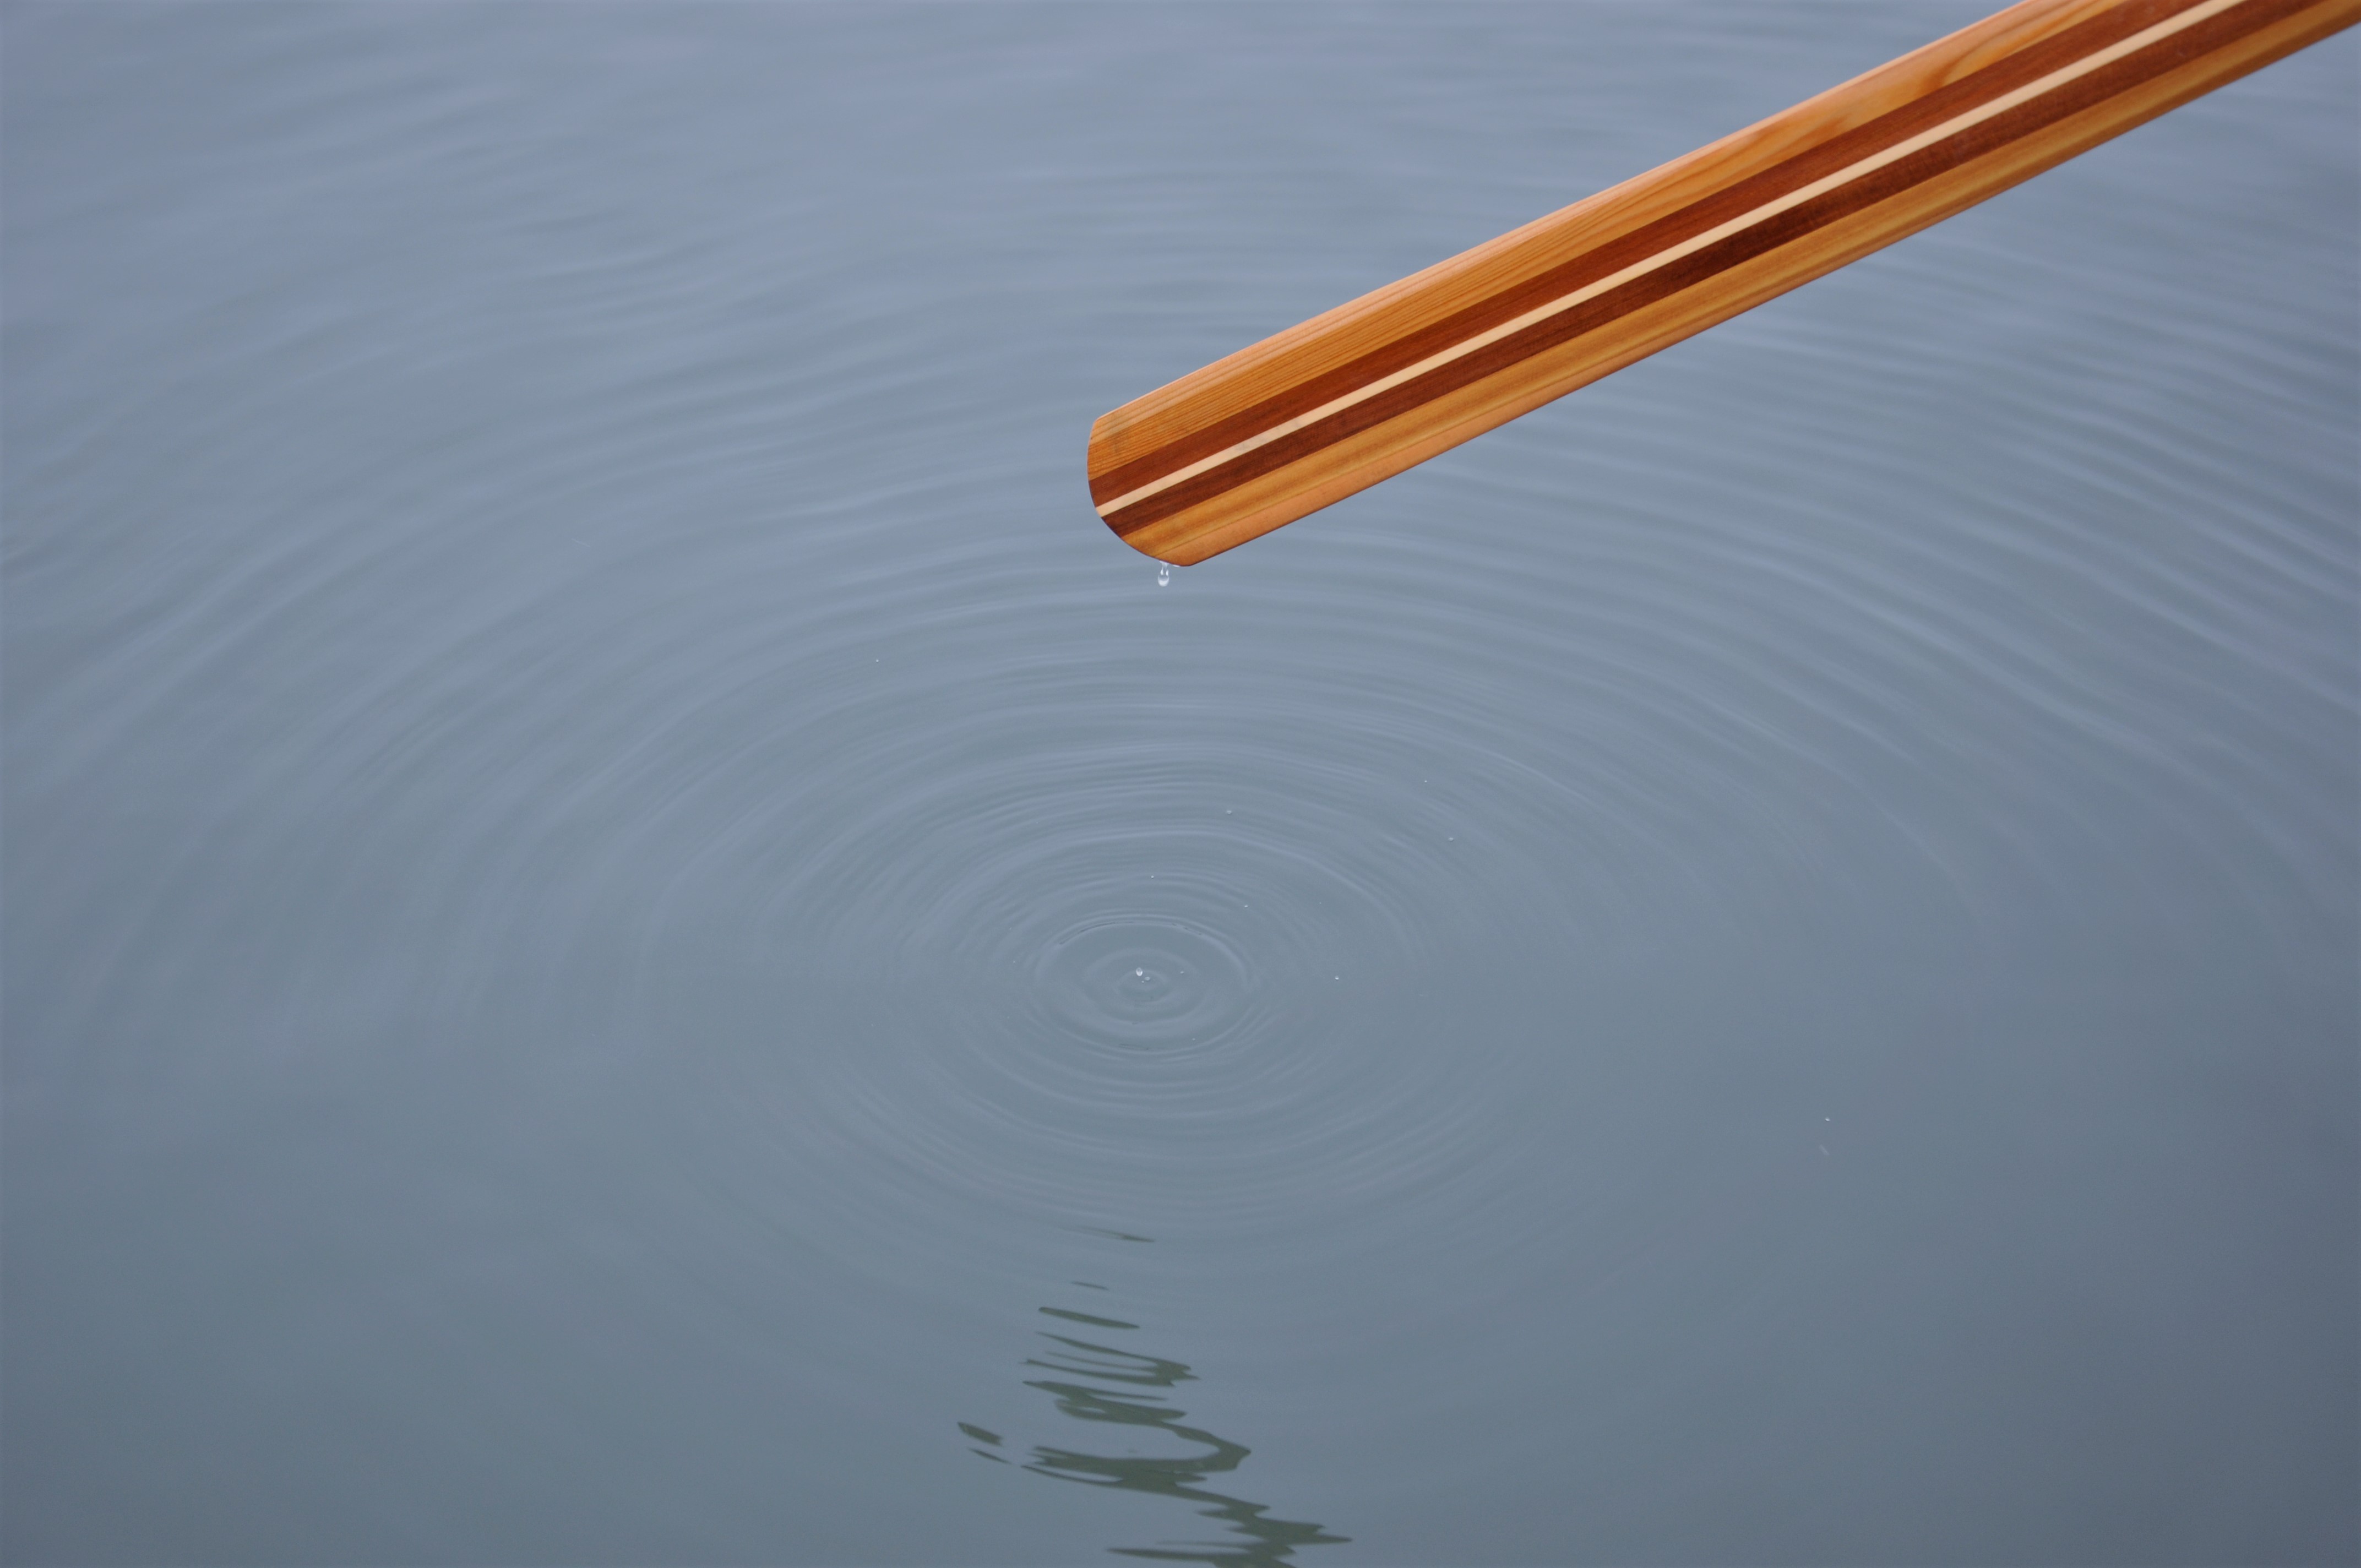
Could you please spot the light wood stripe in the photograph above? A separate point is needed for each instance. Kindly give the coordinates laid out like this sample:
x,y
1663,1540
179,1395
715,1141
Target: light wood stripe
x,y
1308,417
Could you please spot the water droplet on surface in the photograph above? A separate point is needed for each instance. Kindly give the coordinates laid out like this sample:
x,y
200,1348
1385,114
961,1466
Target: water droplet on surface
x,y
1164,576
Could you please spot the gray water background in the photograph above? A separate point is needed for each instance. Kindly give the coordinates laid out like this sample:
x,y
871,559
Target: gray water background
x,y
631,937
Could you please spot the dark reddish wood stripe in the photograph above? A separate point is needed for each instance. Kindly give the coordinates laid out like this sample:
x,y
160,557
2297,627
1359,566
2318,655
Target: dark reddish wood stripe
x,y
1781,229
2005,75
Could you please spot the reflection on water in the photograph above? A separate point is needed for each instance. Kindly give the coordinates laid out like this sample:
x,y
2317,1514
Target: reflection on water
x,y
1094,1382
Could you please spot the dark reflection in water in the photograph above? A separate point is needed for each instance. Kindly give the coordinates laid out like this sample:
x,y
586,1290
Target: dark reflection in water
x,y
1094,1382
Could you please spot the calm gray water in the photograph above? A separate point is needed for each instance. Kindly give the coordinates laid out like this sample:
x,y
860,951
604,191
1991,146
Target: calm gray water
x,y
632,938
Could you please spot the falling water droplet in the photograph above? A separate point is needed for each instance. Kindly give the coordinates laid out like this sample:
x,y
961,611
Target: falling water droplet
x,y
1163,576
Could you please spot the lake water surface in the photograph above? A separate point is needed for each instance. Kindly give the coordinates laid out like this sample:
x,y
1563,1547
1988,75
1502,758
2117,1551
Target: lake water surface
x,y
632,938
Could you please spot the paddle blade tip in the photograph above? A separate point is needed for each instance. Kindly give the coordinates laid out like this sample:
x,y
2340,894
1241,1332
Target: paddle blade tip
x,y
1099,460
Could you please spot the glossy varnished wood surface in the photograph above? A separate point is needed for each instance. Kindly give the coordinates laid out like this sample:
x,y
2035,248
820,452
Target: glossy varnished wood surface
x,y
1356,395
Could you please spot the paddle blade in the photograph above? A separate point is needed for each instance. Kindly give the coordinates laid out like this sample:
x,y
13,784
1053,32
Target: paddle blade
x,y
1357,395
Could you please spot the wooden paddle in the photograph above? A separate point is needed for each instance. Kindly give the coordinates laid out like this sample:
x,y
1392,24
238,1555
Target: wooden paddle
x,y
1361,393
